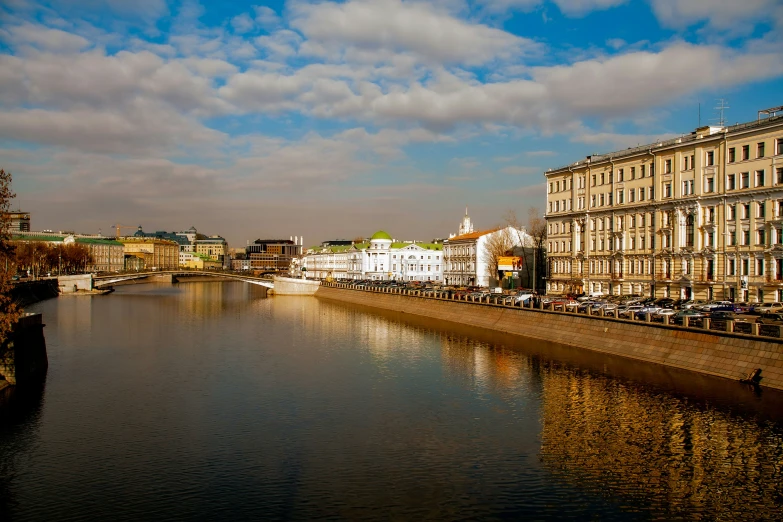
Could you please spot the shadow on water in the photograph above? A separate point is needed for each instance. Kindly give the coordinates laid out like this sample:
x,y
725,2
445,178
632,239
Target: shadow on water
x,y
20,410
698,389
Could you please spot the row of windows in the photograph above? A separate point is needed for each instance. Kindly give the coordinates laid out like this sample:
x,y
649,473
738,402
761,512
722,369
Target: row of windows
x,y
744,151
644,267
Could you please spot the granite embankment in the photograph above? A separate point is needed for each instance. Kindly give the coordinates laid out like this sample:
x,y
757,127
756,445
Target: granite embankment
x,y
728,355
29,292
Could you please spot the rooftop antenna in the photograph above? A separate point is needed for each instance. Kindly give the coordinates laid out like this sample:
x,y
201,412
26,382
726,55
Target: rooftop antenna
x,y
722,107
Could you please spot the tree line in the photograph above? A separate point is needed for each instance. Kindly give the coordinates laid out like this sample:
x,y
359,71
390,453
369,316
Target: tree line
x,y
38,258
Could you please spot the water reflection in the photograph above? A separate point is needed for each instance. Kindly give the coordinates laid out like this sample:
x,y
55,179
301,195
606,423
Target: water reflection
x,y
205,400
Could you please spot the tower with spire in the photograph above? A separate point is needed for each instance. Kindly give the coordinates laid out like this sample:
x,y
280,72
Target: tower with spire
x,y
466,227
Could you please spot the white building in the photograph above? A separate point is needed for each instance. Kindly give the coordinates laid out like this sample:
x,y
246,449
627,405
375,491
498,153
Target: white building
x,y
467,256
380,259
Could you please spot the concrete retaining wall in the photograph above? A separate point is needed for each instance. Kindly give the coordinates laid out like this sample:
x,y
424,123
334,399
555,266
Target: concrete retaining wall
x,y
291,286
73,283
731,356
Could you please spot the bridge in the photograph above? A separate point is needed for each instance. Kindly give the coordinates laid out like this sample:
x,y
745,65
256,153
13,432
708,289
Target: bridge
x,y
171,276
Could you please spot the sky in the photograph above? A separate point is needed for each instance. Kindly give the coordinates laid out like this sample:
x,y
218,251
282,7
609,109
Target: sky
x,y
330,120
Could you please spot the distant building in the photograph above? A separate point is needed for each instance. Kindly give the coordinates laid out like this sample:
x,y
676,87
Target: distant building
x,y
19,222
272,254
467,255
107,255
148,253
197,261
214,247
380,259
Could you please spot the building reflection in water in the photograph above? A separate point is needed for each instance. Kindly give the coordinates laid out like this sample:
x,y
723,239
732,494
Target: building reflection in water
x,y
680,457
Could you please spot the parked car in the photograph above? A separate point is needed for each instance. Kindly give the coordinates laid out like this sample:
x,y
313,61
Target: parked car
x,y
766,308
717,305
692,303
726,315
652,310
627,311
689,313
666,312
770,318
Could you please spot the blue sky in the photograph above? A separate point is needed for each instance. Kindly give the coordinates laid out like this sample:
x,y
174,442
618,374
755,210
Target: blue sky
x,y
336,119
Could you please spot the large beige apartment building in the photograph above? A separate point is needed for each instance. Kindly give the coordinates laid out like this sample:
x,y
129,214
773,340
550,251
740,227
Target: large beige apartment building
x,y
700,216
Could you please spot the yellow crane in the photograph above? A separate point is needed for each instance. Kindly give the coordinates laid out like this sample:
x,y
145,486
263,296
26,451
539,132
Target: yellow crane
x,y
118,226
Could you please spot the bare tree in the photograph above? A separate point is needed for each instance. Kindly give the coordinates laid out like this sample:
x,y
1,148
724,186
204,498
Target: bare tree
x,y
498,244
9,312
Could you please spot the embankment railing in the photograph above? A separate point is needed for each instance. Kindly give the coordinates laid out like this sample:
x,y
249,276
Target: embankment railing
x,y
739,327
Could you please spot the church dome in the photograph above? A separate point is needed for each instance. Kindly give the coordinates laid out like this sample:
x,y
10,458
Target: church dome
x,y
381,235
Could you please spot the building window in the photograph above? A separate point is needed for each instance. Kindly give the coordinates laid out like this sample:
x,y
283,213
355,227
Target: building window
x,y
687,187
667,190
710,158
746,211
592,181
641,194
689,230
601,199
761,237
778,146
745,152
732,155
745,266
760,209
731,182
745,180
633,173
731,267
620,196
667,166
746,237
760,267
619,174
642,168
732,238
779,176
710,185
760,150
759,178
631,195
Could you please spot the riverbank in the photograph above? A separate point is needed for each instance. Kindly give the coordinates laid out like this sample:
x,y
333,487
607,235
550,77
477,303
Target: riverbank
x,y
29,292
727,355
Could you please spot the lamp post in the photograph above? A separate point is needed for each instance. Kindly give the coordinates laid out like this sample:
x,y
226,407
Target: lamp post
x,y
59,264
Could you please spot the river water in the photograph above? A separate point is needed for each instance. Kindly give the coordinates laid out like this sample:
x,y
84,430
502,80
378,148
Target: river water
x,y
208,401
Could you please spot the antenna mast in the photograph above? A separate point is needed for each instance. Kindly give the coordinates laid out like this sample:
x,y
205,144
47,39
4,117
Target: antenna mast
x,y
721,108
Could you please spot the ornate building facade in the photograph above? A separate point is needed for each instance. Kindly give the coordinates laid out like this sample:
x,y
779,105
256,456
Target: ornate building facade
x,y
700,216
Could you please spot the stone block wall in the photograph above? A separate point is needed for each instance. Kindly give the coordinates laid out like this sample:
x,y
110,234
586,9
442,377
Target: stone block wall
x,y
293,286
731,356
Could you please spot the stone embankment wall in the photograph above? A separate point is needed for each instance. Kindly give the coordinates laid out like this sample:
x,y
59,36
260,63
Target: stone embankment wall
x,y
727,355
29,292
23,356
292,286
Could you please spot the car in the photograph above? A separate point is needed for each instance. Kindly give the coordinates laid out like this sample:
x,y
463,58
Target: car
x,y
666,311
770,318
716,305
651,310
766,308
627,311
726,315
689,313
692,303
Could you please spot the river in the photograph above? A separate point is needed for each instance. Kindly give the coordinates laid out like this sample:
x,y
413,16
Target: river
x,y
208,401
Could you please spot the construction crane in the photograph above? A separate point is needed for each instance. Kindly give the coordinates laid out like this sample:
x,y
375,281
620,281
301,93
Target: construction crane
x,y
118,226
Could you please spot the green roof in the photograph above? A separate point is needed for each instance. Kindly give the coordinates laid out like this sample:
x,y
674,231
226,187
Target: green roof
x,y
50,239
381,235
96,241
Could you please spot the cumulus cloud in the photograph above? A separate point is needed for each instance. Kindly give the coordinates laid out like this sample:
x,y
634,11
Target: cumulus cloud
x,y
722,14
572,8
44,38
395,26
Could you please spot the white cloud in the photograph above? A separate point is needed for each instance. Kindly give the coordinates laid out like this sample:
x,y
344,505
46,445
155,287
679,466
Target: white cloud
x,y
392,25
53,40
242,23
266,17
722,14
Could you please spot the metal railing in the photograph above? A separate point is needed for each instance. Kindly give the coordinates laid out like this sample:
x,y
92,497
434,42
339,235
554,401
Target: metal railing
x,y
742,325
